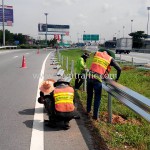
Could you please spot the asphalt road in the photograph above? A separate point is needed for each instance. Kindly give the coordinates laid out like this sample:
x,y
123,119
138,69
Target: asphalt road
x,y
136,57
19,128
17,96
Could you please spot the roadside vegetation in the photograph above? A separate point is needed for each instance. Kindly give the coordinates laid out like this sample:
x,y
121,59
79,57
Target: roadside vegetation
x,y
128,131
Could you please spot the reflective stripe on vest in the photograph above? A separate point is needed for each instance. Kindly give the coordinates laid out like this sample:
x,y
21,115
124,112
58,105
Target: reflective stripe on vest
x,y
100,62
64,99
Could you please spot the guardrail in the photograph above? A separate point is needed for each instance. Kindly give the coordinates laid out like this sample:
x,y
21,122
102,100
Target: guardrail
x,y
5,47
133,100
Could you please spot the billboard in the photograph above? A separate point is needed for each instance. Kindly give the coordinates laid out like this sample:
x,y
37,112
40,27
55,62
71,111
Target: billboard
x,y
8,15
53,29
90,37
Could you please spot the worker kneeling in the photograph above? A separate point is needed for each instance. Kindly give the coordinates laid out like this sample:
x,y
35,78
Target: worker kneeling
x,y
59,102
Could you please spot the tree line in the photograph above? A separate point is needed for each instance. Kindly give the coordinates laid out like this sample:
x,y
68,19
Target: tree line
x,y
20,39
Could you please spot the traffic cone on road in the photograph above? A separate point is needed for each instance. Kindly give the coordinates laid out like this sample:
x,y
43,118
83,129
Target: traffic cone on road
x,y
23,62
38,52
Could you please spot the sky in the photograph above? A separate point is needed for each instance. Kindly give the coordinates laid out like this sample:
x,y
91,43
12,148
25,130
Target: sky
x,y
103,17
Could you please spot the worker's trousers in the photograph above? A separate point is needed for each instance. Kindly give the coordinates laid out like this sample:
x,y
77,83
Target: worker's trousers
x,y
94,87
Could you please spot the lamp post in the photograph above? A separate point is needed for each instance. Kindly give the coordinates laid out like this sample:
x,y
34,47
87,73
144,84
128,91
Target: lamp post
x,y
123,31
3,23
148,8
78,37
46,28
131,25
119,34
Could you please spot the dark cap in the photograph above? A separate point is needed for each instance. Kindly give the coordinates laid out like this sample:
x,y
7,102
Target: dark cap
x,y
61,81
86,55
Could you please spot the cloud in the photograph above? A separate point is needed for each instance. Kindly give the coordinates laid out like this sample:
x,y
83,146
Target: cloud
x,y
82,16
105,7
59,2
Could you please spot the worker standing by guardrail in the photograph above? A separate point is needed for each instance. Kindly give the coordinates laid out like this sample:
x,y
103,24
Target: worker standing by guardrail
x,y
80,70
99,69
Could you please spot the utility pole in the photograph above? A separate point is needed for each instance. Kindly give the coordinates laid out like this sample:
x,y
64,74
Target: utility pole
x,y
131,25
148,8
3,23
123,31
46,28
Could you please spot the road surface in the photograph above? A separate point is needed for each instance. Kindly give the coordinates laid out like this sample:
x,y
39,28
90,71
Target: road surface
x,y
21,117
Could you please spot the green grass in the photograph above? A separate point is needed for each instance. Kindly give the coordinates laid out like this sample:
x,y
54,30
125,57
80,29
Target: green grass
x,y
135,133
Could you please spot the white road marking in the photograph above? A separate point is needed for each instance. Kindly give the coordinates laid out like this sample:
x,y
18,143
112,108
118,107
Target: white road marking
x,y
15,56
37,137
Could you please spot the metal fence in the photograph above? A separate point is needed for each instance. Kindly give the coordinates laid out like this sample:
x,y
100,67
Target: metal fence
x,y
133,100
8,47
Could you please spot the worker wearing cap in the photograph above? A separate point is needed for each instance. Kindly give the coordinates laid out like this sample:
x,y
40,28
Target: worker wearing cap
x,y
99,70
61,103
80,70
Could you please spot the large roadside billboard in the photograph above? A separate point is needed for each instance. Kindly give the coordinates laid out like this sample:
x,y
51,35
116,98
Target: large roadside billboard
x,y
8,15
53,29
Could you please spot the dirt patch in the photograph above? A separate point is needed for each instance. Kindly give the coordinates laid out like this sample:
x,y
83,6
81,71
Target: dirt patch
x,y
127,68
147,74
116,119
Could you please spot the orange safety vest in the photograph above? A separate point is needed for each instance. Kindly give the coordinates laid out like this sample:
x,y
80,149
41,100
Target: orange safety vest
x,y
64,99
101,63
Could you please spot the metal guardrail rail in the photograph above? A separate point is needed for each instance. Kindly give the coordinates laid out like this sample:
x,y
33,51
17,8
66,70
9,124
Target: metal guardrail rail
x,y
133,100
5,47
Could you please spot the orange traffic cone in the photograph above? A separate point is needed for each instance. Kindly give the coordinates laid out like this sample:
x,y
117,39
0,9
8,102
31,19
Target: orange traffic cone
x,y
38,52
24,62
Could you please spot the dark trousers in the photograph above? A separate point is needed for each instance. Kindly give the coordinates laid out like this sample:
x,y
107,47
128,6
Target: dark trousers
x,y
54,115
94,86
78,81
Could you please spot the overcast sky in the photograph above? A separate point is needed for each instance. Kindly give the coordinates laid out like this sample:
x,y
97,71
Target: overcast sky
x,y
103,17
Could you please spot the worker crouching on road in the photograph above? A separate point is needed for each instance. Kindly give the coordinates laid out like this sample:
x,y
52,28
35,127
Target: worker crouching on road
x,y
99,70
81,70
60,104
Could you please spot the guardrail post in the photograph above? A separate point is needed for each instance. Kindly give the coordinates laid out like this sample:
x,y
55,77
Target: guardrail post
x,y
109,109
62,60
120,58
72,67
59,57
84,88
132,62
67,63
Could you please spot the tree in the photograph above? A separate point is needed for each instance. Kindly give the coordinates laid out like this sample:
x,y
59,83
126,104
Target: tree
x,y
138,38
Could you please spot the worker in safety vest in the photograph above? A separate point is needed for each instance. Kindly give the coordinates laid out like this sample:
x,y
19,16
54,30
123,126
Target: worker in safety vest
x,y
60,105
80,70
99,70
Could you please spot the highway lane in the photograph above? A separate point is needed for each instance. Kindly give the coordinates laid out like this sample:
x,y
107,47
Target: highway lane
x,y
137,57
18,92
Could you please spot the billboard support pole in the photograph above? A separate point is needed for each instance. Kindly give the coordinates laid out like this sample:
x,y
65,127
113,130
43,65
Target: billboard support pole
x,y
3,23
61,38
46,28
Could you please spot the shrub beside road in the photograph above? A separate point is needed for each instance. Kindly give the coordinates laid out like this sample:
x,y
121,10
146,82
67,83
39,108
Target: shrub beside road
x,y
128,130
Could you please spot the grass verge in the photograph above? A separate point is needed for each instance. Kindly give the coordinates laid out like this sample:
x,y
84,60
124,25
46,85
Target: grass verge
x,y
129,130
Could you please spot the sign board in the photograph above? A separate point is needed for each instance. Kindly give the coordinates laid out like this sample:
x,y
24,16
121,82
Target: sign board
x,y
90,37
53,29
8,15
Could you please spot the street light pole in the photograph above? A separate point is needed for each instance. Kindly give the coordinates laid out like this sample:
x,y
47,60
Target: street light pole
x,y
123,31
148,8
46,28
3,23
78,37
131,25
